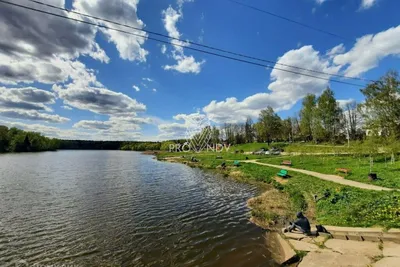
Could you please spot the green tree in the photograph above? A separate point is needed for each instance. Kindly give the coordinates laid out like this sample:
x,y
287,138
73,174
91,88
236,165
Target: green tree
x,y
307,116
271,124
166,146
329,114
287,129
381,109
4,141
215,135
249,130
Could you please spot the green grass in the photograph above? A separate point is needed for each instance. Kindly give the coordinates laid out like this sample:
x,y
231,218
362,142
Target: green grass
x,y
251,147
345,206
388,174
348,206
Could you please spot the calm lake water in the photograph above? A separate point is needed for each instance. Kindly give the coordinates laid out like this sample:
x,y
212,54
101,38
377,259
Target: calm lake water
x,y
116,208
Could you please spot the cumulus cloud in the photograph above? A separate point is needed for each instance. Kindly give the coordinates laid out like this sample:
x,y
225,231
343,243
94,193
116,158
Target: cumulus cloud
x,y
31,115
184,64
285,88
74,134
28,98
43,48
37,48
122,11
369,50
30,33
99,125
181,2
137,89
114,124
365,4
163,49
29,69
154,90
339,49
98,100
344,102
183,125
49,131
66,107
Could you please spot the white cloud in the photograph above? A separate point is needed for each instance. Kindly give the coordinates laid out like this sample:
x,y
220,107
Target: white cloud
x,y
114,124
28,98
365,4
189,124
98,100
344,102
181,2
339,49
76,133
137,89
171,18
67,107
49,131
99,125
285,88
147,79
369,50
125,12
28,69
154,90
320,2
31,115
163,49
184,64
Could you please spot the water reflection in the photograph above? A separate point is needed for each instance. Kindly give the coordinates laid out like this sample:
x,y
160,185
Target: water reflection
x,y
115,208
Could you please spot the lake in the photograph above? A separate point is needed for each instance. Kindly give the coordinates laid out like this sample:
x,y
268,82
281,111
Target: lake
x,y
120,208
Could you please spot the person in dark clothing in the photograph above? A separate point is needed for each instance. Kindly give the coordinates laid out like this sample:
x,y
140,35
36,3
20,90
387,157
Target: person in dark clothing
x,y
302,224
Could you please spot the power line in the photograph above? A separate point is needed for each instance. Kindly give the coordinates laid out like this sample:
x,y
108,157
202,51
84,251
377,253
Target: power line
x,y
179,45
198,44
290,20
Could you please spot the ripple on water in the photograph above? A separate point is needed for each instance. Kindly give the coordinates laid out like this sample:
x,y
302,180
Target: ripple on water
x,y
98,208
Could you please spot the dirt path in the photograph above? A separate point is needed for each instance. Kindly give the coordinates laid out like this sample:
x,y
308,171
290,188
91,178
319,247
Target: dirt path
x,y
327,177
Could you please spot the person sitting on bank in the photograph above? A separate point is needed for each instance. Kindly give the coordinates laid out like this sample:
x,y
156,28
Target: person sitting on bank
x,y
301,224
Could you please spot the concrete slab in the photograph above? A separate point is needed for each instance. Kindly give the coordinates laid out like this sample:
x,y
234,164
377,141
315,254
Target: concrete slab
x,y
295,236
390,237
387,262
333,259
340,236
350,247
303,246
320,240
391,250
280,249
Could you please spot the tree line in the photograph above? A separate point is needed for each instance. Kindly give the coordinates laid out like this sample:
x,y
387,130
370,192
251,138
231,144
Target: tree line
x,y
323,119
320,119
16,140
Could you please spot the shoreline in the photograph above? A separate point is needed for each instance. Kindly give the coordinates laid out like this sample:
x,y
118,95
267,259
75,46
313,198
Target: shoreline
x,y
272,209
266,191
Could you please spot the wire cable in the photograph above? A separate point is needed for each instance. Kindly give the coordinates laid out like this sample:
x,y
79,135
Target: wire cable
x,y
198,44
290,20
174,44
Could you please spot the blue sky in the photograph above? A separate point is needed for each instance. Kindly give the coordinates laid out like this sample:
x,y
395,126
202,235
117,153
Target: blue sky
x,y
71,80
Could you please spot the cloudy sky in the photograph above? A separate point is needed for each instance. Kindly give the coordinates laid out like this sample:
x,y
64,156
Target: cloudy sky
x,y
72,80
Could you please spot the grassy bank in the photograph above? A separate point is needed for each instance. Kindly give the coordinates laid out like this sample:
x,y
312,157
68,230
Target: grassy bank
x,y
342,206
388,173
